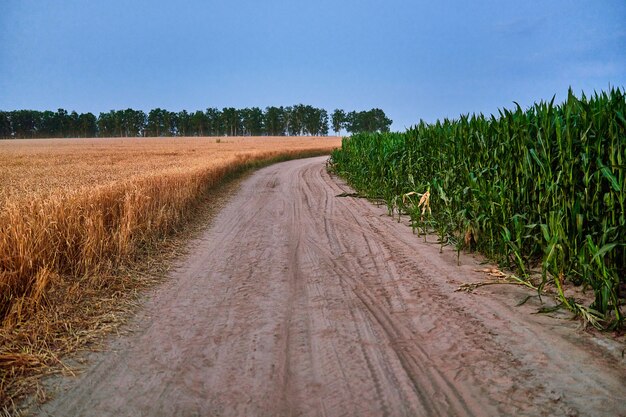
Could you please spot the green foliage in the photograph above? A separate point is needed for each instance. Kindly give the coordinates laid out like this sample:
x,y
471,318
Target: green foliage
x,y
5,125
543,186
161,123
373,120
297,120
338,120
275,121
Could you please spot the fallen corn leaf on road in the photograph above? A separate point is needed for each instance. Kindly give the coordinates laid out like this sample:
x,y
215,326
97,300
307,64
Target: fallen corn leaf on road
x,y
297,302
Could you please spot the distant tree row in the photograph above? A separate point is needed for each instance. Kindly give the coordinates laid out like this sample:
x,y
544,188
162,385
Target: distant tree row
x,y
373,120
295,120
31,124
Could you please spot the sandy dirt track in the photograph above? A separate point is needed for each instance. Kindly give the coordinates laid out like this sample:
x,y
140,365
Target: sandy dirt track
x,y
296,302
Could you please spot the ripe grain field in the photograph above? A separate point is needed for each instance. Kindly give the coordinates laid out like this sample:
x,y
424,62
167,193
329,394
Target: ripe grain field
x,y
76,212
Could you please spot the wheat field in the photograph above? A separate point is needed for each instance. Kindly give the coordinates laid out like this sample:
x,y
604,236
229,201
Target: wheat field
x,y
79,207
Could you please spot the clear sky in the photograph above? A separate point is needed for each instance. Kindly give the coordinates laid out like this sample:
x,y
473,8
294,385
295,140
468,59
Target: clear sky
x,y
414,59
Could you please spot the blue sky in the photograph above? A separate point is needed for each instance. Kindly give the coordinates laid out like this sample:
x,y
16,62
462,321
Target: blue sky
x,y
414,59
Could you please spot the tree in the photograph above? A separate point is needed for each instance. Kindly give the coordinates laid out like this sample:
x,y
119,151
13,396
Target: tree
x,y
183,123
6,130
170,119
274,121
161,123
48,125
309,120
105,124
315,121
120,123
323,131
131,123
252,121
214,122
87,125
139,122
156,123
373,120
62,122
231,120
295,120
71,130
380,122
338,120
199,124
25,123
59,124
287,113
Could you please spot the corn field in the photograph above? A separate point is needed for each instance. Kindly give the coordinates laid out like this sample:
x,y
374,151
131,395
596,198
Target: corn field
x,y
542,188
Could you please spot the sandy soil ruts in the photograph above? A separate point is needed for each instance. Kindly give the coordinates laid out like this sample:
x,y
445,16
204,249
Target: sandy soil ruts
x,y
298,302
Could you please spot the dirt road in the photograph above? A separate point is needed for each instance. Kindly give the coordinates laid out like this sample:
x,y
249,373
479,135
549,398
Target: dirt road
x,y
297,302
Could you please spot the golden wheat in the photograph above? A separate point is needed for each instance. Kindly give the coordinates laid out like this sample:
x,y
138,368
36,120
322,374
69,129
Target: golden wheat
x,y
75,208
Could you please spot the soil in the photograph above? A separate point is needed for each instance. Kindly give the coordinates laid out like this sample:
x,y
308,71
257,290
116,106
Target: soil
x,y
298,302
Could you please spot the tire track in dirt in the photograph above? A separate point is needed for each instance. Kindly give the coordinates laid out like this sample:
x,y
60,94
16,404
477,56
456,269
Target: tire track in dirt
x,y
297,302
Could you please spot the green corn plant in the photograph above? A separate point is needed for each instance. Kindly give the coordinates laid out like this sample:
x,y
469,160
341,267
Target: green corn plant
x,y
510,180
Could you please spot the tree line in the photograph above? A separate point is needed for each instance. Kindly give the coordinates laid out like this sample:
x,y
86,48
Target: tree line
x,y
297,120
373,120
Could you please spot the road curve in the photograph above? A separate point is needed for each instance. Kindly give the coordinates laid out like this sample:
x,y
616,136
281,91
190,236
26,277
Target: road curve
x,y
297,302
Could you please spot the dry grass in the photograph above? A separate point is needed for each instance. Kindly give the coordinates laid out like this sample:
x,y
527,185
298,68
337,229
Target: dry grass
x,y
75,214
